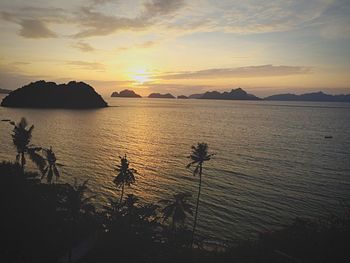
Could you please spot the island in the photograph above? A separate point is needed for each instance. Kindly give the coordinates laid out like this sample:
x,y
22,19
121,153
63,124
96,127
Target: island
x,y
161,96
5,91
42,94
126,94
182,97
314,96
234,94
195,96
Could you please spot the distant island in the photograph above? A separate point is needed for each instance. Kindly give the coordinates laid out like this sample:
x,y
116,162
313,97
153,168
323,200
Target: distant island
x,y
42,94
182,97
161,96
234,94
126,94
315,96
195,96
5,91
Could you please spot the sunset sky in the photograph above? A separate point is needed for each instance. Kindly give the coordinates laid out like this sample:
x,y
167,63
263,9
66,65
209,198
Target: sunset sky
x,y
178,46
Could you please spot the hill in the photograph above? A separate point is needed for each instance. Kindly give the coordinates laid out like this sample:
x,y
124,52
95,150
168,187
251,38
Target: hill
x,y
315,96
234,94
161,96
42,94
126,94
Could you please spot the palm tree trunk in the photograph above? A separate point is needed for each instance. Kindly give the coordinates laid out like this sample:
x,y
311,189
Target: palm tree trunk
x,y
121,196
22,161
196,213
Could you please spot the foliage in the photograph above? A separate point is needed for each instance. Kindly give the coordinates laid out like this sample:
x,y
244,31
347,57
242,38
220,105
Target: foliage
x,y
198,156
125,175
21,137
50,168
176,209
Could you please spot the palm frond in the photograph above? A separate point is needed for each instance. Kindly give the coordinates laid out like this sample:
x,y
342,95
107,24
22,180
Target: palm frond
x,y
36,158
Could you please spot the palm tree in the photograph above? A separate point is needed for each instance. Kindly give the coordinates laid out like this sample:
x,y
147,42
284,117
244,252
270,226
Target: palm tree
x,y
176,209
51,168
198,156
77,201
21,136
77,204
130,201
125,176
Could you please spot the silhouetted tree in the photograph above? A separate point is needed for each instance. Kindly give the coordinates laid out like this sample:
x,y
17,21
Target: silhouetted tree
x,y
176,209
51,165
130,201
125,176
21,136
198,156
77,202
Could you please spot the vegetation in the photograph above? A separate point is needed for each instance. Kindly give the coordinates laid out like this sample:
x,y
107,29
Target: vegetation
x,y
51,168
125,176
176,210
45,222
198,156
21,136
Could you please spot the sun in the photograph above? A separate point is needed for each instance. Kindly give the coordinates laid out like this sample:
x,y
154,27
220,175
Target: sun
x,y
140,76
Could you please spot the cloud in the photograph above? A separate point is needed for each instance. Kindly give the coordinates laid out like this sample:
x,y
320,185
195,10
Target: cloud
x,y
101,2
99,24
335,20
33,20
161,7
86,65
240,72
105,17
83,46
35,29
146,44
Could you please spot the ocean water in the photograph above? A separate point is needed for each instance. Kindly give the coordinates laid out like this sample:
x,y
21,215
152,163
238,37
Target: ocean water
x,y
272,162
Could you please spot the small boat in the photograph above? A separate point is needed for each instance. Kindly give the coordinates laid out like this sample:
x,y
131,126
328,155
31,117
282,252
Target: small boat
x,y
328,137
6,120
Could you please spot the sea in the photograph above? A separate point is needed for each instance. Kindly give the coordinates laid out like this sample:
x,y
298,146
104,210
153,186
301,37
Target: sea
x,y
274,161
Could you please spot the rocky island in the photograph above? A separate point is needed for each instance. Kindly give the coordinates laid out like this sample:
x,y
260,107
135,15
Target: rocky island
x,y
182,97
234,94
42,94
126,94
161,96
314,96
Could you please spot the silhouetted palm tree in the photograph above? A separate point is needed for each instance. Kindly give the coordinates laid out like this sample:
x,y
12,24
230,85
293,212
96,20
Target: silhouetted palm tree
x,y
125,176
130,201
198,156
51,165
77,202
176,209
21,136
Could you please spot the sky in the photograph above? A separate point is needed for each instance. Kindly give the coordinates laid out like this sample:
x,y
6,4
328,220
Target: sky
x,y
178,46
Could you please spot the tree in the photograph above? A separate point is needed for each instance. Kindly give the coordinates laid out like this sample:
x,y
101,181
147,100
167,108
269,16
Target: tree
x,y
125,176
51,165
77,202
176,209
21,136
198,156
77,205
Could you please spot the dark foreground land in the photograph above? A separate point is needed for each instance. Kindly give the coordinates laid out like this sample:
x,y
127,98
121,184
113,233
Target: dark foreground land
x,y
43,220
